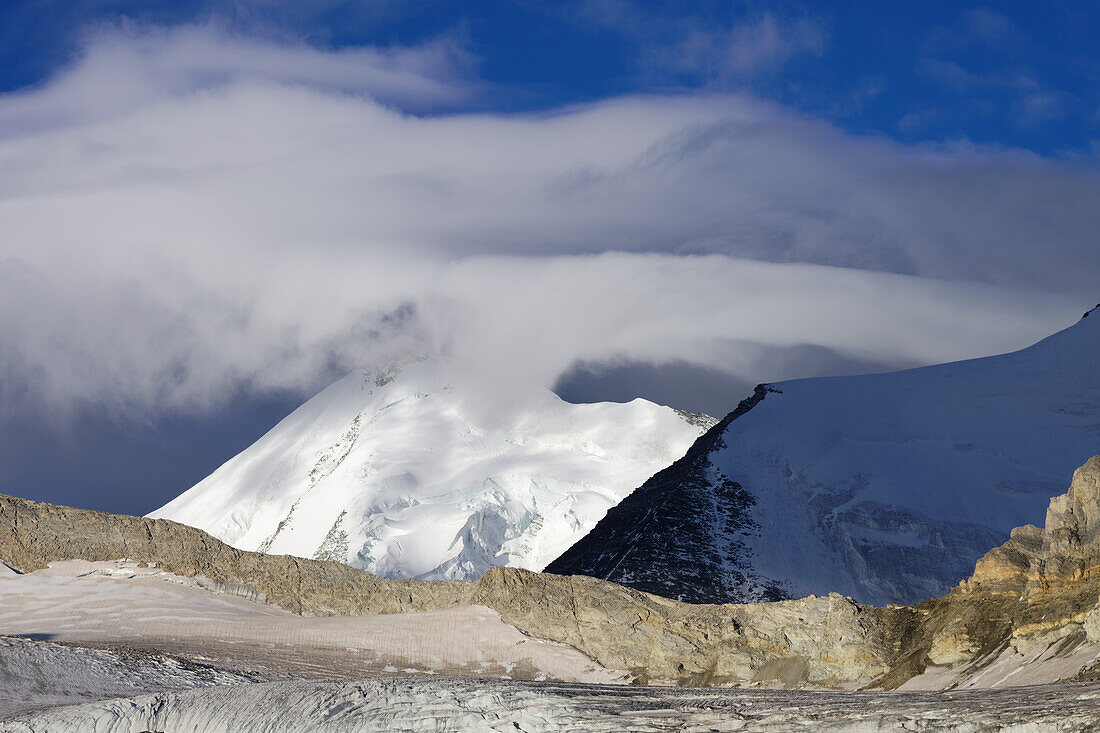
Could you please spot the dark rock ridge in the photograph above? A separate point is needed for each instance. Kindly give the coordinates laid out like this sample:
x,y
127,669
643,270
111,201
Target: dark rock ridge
x,y
681,534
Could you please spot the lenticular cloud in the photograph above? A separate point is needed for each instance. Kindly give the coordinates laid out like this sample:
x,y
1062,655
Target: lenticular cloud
x,y
186,212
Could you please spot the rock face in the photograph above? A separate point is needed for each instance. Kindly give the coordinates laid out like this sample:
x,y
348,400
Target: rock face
x,y
886,488
1036,595
813,640
434,469
1071,542
1033,599
1066,549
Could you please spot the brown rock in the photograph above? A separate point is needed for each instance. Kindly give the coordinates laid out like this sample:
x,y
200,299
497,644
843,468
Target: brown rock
x,y
1042,584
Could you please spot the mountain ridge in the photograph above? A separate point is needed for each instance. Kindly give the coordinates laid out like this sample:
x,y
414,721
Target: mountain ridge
x,y
1028,612
884,487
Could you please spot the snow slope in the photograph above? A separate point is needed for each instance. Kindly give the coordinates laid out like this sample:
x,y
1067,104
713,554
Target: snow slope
x,y
434,469
885,487
123,605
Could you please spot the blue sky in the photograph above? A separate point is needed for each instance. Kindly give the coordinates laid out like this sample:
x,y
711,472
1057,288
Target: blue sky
x,y
1014,74
213,209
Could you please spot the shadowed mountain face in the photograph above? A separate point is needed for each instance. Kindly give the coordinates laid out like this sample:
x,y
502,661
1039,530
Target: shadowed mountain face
x,y
884,487
680,534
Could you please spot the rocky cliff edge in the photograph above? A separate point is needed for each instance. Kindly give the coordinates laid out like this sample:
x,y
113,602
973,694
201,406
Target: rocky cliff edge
x,y
1037,594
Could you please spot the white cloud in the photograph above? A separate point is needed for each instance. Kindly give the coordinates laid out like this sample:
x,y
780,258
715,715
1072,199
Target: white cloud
x,y
267,228
124,68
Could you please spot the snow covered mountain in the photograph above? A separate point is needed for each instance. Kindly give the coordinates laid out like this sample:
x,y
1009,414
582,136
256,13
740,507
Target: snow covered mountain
x,y
435,469
885,487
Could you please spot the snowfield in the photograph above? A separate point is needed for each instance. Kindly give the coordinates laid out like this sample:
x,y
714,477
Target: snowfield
x,y
112,603
885,487
434,470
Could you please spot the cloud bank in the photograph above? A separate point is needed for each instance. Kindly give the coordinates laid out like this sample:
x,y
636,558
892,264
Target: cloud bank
x,y
187,213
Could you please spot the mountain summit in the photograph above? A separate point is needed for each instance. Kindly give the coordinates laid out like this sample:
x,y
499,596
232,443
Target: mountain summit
x,y
434,469
886,487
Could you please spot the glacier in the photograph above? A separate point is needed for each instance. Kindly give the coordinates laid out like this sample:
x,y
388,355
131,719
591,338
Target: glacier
x,y
885,487
436,469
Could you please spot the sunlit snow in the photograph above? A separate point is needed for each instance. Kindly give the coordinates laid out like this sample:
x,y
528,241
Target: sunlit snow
x,y
434,469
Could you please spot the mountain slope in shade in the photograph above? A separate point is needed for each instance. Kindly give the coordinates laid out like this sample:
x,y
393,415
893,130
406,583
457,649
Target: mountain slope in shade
x,y
886,488
434,470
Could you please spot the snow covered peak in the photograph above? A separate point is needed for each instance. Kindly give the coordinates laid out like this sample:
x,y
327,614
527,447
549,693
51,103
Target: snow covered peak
x,y
434,468
883,487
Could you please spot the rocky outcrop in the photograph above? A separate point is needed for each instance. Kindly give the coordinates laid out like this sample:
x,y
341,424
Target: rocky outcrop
x,y
33,534
1071,542
824,641
820,641
1038,591
1067,548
